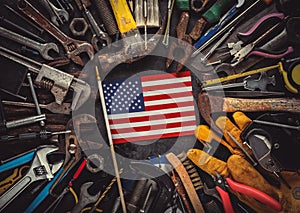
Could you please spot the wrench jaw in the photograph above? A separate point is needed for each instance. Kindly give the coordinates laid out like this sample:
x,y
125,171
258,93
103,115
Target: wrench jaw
x,y
100,42
85,197
82,92
45,51
39,170
64,15
41,160
76,48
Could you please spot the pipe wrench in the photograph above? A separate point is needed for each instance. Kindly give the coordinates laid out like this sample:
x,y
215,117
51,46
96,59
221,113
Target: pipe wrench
x,y
53,79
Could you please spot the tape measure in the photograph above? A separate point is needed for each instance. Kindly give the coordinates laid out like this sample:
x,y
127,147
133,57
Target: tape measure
x,y
291,76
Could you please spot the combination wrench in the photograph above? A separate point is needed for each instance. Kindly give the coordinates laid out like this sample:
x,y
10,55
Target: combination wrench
x,y
43,49
57,16
73,47
85,197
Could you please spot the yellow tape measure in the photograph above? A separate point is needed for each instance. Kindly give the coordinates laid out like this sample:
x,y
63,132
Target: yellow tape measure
x,y
123,15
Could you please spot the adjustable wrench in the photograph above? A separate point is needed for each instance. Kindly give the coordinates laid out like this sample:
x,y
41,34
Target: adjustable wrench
x,y
43,49
53,79
85,198
58,16
73,47
40,170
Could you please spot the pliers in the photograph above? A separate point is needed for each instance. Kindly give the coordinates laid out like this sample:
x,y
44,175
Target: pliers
x,y
251,48
223,183
242,49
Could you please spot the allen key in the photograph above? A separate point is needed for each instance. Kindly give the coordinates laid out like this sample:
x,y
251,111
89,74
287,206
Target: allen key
x,y
35,100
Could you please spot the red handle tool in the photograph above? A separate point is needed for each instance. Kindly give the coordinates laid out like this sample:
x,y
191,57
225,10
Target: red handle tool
x,y
255,193
225,200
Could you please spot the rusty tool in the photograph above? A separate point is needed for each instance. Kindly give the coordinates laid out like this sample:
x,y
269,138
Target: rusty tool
x,y
53,79
73,47
209,104
78,26
213,15
85,197
106,17
99,38
134,46
43,49
182,45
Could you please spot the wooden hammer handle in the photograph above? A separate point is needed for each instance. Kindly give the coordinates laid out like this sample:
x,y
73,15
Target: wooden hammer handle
x,y
253,105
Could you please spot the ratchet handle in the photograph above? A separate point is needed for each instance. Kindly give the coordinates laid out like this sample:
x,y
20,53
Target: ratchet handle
x,y
225,200
255,193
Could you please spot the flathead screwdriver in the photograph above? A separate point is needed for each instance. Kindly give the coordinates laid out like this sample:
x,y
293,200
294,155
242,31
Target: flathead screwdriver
x,y
43,135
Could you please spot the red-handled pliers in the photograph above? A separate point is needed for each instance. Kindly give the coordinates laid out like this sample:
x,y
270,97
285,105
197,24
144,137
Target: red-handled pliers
x,y
223,183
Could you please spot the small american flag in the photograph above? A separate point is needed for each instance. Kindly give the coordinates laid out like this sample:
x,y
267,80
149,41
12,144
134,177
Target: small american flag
x,y
150,107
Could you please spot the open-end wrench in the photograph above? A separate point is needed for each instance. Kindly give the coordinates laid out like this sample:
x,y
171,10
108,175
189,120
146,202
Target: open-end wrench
x,y
73,47
39,170
58,16
43,49
99,38
85,197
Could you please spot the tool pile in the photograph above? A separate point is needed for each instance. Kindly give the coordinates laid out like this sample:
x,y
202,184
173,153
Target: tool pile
x,y
150,106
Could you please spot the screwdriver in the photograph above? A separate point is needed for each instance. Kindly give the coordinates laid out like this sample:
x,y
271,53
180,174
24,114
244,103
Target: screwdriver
x,y
229,25
145,23
211,16
43,135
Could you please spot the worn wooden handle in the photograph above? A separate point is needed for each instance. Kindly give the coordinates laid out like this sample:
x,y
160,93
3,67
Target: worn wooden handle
x,y
252,105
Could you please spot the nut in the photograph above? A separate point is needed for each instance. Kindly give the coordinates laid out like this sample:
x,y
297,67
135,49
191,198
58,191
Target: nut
x,y
78,26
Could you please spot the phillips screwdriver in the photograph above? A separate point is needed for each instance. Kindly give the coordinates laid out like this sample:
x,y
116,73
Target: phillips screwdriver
x,y
43,135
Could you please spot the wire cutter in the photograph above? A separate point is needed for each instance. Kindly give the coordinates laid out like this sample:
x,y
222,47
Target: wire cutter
x,y
223,183
242,49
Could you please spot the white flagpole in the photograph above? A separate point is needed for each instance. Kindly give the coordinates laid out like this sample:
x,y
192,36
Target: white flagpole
x,y
112,150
